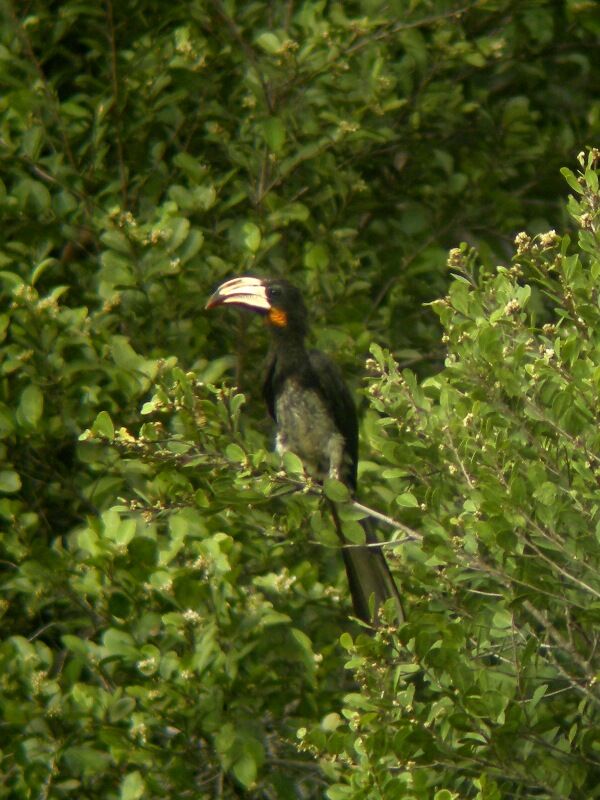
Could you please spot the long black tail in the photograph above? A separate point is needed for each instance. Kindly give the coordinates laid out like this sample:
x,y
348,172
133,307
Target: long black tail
x,y
368,574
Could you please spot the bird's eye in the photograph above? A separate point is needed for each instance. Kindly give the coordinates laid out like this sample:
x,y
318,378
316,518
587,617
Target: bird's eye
x,y
274,291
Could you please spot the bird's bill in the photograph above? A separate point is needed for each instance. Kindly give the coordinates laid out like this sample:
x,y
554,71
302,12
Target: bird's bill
x,y
248,292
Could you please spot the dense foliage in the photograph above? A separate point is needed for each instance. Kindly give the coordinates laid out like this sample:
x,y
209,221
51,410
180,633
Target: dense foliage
x,y
493,683
172,604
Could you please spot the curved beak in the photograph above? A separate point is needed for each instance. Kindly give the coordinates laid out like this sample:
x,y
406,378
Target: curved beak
x,y
247,292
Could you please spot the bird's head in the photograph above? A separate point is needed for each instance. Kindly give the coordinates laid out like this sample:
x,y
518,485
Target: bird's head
x,y
277,300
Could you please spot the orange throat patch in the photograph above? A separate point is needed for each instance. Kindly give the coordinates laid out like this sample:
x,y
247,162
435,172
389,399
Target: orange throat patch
x,y
277,316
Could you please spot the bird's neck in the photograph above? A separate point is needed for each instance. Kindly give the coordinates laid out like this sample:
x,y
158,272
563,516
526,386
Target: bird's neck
x,y
289,349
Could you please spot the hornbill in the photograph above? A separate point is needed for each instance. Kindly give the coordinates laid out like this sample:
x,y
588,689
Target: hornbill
x,y
316,419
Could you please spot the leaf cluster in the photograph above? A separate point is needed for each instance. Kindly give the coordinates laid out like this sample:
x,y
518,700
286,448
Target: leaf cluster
x,y
491,688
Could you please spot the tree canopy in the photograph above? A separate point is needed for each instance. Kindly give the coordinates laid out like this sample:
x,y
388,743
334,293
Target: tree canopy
x,y
175,617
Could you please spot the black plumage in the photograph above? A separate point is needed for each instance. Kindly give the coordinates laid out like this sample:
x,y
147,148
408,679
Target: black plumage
x,y
316,419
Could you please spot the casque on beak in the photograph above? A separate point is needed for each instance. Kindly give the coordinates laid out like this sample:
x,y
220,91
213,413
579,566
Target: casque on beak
x,y
247,292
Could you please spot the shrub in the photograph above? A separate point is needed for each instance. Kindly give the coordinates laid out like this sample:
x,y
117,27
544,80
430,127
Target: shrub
x,y
490,689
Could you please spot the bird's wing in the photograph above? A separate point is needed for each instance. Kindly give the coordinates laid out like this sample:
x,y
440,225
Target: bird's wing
x,y
269,388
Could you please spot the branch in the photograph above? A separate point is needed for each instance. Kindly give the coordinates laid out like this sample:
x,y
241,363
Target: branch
x,y
410,535
115,109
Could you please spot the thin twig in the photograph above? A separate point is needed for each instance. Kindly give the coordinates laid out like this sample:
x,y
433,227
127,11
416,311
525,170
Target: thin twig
x,y
410,534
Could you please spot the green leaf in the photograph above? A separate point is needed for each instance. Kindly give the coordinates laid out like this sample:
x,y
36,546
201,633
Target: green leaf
x,y
251,236
120,531
179,228
268,42
126,358
204,197
538,695
10,481
274,134
292,463
591,179
41,268
502,619
191,246
117,240
546,493
103,426
331,722
120,643
245,770
31,406
275,618
121,709
7,423
305,648
76,645
354,532
571,179
11,279
235,453
407,500
32,141
84,760
192,167
133,786
336,490
316,257
339,792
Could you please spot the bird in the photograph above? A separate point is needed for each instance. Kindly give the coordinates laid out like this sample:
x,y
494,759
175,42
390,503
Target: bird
x,y
316,419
